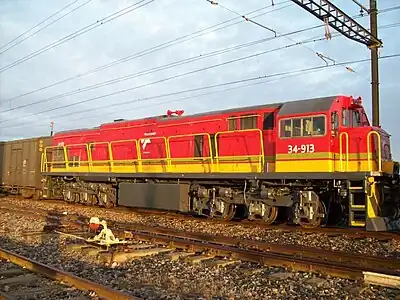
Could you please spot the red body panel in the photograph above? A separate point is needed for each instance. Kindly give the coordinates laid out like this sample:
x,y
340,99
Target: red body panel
x,y
151,133
153,129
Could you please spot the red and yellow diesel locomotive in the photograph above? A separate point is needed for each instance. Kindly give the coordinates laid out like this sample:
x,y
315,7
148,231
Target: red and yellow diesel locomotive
x,y
307,161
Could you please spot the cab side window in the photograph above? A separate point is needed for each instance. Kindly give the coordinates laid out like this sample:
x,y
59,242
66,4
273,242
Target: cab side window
x,y
232,123
335,121
307,127
286,128
248,122
296,127
303,127
318,126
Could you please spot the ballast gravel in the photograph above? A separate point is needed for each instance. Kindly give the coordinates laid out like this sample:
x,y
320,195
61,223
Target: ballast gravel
x,y
158,277
366,246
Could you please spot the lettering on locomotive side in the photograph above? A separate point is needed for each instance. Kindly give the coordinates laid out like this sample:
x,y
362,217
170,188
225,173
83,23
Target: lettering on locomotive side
x,y
303,148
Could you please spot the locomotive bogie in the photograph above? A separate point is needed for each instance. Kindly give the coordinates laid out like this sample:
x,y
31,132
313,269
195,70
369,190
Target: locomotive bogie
x,y
308,203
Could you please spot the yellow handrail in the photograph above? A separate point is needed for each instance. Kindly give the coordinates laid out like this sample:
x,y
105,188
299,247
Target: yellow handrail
x,y
80,161
370,152
192,158
139,151
111,153
47,163
341,150
261,155
168,159
90,157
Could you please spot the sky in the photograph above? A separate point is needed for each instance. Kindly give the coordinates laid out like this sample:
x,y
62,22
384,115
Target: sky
x,y
58,74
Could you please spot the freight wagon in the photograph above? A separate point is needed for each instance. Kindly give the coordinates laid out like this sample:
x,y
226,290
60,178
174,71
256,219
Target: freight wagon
x,y
20,165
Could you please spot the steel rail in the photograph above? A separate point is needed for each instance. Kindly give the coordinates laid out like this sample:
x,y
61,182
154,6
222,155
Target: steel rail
x,y
120,230
303,264
66,277
333,231
303,260
293,250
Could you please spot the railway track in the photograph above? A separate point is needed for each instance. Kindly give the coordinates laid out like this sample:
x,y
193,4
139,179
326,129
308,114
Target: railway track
x,y
271,260
338,264
22,278
121,228
333,231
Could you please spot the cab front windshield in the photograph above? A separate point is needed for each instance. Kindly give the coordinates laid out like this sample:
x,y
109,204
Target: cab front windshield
x,y
354,118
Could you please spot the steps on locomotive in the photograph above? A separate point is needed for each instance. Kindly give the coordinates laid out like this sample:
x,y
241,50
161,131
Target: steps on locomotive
x,y
357,207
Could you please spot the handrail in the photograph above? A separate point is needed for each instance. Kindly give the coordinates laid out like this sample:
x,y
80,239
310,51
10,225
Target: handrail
x,y
192,135
139,151
80,161
370,152
168,159
111,153
341,150
47,163
261,158
90,157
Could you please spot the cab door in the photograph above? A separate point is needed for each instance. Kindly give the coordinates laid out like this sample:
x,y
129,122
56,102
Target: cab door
x,y
338,144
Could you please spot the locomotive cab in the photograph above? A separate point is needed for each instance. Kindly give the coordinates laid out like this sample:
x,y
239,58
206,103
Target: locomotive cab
x,y
355,144
331,134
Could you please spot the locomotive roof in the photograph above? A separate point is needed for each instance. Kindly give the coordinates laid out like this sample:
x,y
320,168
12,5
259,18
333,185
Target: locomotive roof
x,y
307,106
234,110
286,108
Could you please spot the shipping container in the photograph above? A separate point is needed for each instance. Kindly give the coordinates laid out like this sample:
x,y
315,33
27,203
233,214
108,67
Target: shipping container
x,y
20,165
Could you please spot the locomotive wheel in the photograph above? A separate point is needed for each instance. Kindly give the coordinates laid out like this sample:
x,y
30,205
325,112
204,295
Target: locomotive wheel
x,y
317,219
270,215
227,214
266,214
230,212
107,197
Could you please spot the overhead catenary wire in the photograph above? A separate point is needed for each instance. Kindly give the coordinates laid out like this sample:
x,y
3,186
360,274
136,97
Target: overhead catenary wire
x,y
172,77
42,28
148,51
285,73
156,69
179,63
164,45
79,32
38,24
182,62
320,55
388,9
163,102
163,80
158,48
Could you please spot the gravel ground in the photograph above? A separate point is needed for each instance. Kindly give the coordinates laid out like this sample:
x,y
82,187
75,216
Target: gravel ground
x,y
158,277
367,246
